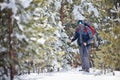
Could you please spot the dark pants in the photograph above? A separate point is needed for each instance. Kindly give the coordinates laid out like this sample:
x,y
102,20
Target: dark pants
x,y
84,55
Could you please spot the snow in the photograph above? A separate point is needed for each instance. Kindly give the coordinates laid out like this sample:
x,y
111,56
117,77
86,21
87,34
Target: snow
x,y
25,18
53,18
41,41
36,18
60,25
2,49
3,5
33,39
50,1
70,49
21,27
17,17
26,3
64,35
28,16
93,9
70,1
58,43
73,74
57,33
113,11
11,5
95,25
21,37
57,5
79,11
36,11
115,37
41,34
117,19
77,14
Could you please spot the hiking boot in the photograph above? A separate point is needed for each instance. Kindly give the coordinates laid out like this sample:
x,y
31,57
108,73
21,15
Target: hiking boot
x,y
87,70
82,69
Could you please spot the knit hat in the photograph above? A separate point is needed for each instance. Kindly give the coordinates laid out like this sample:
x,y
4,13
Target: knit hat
x,y
80,22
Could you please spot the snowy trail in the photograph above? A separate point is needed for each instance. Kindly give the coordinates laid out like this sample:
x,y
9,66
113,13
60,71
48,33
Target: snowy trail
x,y
70,75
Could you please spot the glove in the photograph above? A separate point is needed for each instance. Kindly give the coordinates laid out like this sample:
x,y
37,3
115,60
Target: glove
x,y
86,24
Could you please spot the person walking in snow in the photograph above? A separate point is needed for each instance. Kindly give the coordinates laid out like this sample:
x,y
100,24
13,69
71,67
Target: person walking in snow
x,y
83,35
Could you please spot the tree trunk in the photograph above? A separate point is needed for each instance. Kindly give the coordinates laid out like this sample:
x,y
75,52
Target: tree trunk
x,y
62,12
10,45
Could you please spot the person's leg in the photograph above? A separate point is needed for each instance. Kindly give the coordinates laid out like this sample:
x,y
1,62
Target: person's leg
x,y
87,64
81,57
86,59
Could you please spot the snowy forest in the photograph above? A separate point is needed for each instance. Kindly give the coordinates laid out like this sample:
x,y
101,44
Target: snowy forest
x,y
35,34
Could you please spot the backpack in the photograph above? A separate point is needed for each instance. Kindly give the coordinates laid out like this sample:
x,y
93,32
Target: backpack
x,y
88,26
92,30
88,30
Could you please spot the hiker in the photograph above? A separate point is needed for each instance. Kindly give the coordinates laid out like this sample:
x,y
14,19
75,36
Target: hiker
x,y
83,35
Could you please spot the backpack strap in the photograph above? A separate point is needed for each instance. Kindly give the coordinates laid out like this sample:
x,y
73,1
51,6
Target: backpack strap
x,y
89,32
92,30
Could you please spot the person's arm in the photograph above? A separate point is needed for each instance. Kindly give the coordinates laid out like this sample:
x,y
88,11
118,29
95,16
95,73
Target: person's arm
x,y
75,36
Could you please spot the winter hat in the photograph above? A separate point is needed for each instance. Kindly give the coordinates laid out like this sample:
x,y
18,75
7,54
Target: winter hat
x,y
80,22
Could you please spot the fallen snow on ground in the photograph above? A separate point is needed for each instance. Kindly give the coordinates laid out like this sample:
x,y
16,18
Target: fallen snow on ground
x,y
69,75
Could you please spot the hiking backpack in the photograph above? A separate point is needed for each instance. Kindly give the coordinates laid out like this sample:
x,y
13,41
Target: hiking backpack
x,y
91,29
87,24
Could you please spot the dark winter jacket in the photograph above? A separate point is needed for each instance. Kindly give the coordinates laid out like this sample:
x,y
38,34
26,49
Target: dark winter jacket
x,y
86,36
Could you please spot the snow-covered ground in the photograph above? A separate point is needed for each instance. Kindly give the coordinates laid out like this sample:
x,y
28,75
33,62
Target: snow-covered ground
x,y
73,74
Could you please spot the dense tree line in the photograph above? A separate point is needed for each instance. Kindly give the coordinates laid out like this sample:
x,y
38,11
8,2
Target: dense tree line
x,y
34,38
